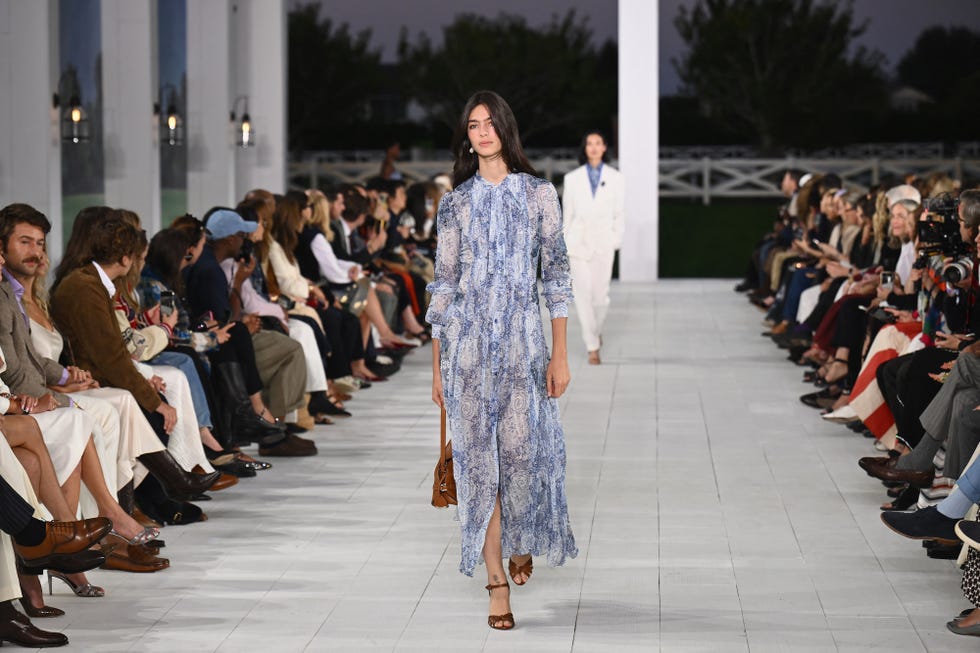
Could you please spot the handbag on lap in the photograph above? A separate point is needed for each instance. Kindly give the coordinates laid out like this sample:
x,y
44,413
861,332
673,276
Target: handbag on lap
x,y
444,485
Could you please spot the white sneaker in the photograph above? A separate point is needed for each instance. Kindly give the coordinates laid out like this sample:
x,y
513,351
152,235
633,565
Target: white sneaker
x,y
842,415
880,446
381,359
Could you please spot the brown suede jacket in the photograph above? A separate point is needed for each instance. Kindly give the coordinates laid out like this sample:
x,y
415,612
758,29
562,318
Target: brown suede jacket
x,y
85,314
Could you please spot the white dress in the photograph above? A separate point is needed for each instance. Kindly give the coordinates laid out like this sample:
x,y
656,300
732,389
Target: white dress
x,y
65,432
116,412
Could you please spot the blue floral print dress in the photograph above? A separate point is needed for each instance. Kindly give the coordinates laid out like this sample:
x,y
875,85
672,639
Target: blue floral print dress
x,y
484,310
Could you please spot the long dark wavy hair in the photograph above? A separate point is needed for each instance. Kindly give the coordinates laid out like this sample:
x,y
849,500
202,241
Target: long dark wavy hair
x,y
504,123
78,250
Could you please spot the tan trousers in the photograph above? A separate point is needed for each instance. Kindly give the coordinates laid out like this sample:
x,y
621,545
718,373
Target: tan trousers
x,y
282,368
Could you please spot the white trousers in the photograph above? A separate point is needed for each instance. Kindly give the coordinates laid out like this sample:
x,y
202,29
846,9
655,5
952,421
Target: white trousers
x,y
185,440
15,475
316,376
590,285
117,414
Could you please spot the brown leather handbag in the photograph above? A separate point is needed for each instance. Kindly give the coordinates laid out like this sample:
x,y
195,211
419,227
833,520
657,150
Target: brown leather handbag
x,y
444,485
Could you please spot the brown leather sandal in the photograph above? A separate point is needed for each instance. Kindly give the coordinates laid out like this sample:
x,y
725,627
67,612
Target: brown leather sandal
x,y
514,569
497,621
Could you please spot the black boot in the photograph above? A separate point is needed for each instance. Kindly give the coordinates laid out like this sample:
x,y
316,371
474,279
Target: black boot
x,y
125,498
244,425
175,480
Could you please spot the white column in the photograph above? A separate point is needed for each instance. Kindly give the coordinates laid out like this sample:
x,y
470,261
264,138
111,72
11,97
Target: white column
x,y
638,137
259,36
210,151
30,145
131,141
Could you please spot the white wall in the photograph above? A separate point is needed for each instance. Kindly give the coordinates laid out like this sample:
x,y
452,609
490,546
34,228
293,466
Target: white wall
x,y
210,151
129,89
638,137
30,146
258,36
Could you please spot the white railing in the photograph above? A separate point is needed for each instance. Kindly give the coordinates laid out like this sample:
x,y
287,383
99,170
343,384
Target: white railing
x,y
703,178
706,179
309,173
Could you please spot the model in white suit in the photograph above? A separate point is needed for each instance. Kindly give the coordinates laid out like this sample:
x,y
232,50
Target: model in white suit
x,y
593,229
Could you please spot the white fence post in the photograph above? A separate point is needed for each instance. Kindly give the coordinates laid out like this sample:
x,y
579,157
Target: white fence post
x,y
705,181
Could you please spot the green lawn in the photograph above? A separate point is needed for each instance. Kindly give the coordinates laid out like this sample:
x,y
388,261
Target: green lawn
x,y
71,205
711,241
173,204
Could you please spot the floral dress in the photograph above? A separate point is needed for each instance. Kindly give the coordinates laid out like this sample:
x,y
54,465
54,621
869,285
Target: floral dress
x,y
506,432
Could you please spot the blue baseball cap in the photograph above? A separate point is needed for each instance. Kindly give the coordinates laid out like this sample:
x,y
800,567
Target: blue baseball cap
x,y
224,223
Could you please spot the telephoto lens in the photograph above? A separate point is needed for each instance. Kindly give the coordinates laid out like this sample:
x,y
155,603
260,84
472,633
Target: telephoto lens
x,y
958,270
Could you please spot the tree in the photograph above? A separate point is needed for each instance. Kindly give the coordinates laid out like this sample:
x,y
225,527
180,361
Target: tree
x,y
332,76
941,60
784,72
554,79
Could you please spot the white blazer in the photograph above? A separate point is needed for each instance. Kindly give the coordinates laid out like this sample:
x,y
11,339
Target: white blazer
x,y
592,224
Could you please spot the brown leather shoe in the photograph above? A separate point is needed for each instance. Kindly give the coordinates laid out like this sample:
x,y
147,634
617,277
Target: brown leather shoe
x,y
64,538
877,462
292,446
19,630
135,558
224,481
911,476
143,519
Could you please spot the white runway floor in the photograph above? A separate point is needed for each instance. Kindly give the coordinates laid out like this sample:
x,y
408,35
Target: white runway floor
x,y
713,512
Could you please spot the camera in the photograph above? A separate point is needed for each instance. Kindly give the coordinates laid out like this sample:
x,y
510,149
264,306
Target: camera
x,y
939,234
958,270
245,253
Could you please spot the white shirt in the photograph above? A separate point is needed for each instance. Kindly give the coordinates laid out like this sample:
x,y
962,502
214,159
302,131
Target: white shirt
x,y
905,259
106,281
332,269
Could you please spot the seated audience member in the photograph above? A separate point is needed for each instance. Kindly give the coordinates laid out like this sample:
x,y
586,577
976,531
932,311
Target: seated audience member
x,y
317,262
343,329
245,299
278,362
96,344
63,547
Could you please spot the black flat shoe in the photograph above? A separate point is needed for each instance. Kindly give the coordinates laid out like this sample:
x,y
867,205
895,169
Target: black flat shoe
x,y
295,429
236,468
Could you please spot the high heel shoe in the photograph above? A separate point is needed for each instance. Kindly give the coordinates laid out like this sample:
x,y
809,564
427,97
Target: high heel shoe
x,y
526,569
143,537
43,611
88,590
498,621
826,379
322,405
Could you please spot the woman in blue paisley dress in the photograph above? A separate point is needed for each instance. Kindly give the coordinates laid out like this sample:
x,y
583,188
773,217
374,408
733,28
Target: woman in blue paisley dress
x,y
491,367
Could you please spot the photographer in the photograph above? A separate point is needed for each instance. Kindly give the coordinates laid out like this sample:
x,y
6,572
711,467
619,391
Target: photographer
x,y
908,383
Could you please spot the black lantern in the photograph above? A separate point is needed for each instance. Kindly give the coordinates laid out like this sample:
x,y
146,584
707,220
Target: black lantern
x,y
244,133
74,121
172,124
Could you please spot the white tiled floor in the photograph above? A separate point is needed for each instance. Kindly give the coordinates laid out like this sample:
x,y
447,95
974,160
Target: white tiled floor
x,y
713,512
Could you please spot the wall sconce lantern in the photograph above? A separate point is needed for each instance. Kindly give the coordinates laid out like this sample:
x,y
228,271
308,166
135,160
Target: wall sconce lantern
x,y
74,121
172,126
244,133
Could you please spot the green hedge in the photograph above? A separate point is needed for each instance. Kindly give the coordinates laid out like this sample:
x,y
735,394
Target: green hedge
x,y
711,241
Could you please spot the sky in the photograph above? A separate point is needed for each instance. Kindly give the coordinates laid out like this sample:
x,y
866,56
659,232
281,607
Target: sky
x,y
893,27
386,17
